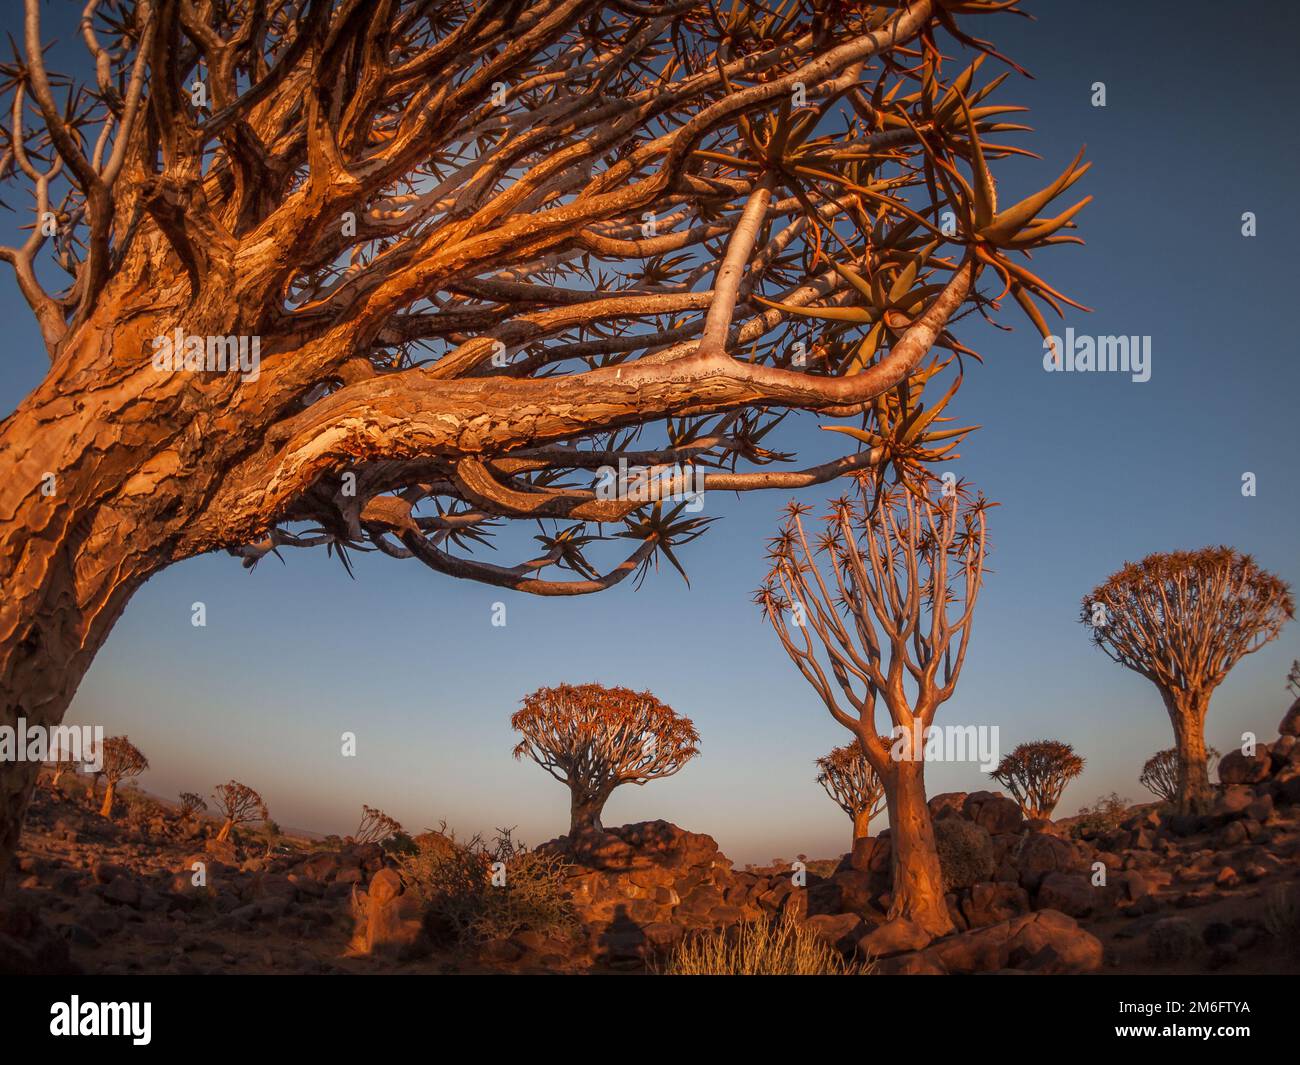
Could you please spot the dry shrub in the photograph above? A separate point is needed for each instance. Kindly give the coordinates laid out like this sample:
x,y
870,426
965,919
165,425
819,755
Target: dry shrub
x,y
780,946
1282,917
1102,817
965,852
455,882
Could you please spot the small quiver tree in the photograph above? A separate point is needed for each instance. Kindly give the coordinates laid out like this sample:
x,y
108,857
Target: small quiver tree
x,y
191,803
1183,620
847,777
887,594
1036,774
376,826
592,739
239,805
1160,772
122,759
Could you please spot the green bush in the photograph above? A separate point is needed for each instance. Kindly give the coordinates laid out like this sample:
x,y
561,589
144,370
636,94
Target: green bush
x,y
965,852
1102,817
779,946
399,844
475,891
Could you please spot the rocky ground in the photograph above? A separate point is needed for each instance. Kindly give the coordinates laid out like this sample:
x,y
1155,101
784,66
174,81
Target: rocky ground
x,y
1145,891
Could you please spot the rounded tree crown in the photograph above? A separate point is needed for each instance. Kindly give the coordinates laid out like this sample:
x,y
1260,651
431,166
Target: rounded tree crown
x,y
1184,618
1040,758
581,728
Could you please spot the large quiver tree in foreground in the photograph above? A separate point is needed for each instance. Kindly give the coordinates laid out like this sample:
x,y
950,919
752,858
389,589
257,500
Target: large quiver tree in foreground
x,y
1182,620
880,610
485,249
594,739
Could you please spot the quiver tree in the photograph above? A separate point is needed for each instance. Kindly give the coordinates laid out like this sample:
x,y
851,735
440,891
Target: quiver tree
x,y
593,739
191,803
482,251
1160,772
61,759
847,777
238,804
1182,620
880,611
1036,774
375,827
121,759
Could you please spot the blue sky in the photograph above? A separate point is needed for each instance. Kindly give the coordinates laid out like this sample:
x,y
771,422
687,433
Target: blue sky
x,y
1090,471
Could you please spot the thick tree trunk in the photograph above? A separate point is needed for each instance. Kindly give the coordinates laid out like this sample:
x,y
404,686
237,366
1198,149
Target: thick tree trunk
x,y
106,808
861,824
225,830
1187,710
584,811
97,482
918,881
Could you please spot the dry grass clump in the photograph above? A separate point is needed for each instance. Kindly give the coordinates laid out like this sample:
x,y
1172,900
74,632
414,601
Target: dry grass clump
x,y
1282,916
467,903
776,947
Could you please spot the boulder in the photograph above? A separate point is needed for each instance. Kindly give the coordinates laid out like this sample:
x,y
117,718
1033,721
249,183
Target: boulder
x,y
1290,725
992,903
993,811
386,921
856,890
840,931
893,937
1070,893
1172,939
1041,854
1233,801
948,804
1238,768
1045,942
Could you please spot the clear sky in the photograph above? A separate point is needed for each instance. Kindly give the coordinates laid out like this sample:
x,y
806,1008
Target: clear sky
x,y
1091,470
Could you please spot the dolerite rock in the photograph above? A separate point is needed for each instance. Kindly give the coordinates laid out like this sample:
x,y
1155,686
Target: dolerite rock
x,y
893,937
992,811
654,874
841,931
1233,801
947,805
222,850
1070,893
1172,939
856,890
988,904
1238,768
1290,725
388,921
1043,942
1040,854
29,947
